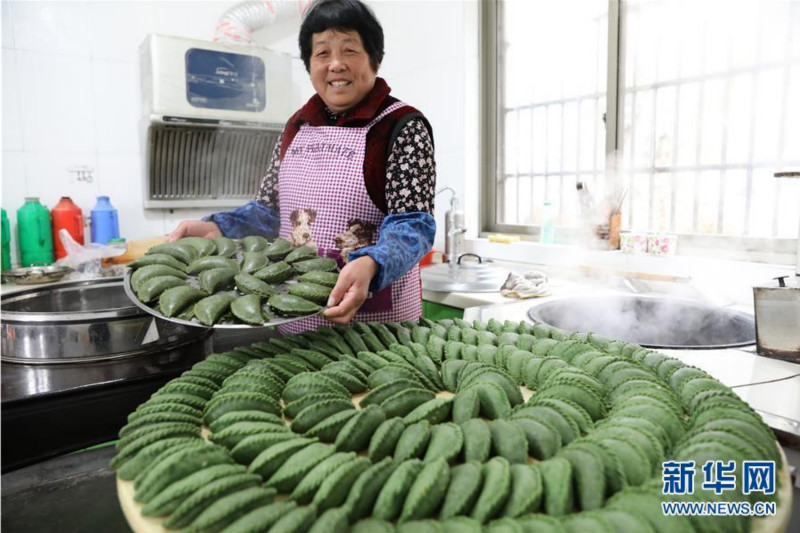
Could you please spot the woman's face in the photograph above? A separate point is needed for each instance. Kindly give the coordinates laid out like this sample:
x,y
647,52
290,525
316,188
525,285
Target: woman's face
x,y
341,70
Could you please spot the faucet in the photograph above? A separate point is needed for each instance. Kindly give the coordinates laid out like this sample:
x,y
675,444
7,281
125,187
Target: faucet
x,y
454,228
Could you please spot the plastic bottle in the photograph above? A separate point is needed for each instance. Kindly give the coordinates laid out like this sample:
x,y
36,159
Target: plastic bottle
x,y
34,234
69,216
6,242
105,225
546,235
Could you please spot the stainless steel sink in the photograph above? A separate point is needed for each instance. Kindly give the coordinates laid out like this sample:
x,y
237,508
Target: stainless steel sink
x,y
650,320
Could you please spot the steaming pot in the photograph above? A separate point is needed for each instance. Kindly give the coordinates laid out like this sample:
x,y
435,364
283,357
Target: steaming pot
x,y
777,308
82,321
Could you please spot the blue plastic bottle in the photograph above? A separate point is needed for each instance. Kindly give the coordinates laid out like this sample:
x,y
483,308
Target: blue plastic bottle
x,y
105,224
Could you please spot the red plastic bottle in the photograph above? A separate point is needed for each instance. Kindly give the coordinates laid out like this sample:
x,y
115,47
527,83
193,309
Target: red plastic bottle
x,y
69,216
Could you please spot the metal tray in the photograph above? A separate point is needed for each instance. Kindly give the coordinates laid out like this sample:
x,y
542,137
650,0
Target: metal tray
x,y
275,321
35,275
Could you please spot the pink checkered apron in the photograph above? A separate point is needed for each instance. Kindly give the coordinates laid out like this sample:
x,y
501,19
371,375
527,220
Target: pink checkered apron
x,y
323,172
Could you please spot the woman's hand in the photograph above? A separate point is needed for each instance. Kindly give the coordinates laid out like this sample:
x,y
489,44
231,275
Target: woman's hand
x,y
194,228
351,289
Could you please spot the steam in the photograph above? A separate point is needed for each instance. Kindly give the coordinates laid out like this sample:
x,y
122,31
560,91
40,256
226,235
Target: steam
x,y
655,322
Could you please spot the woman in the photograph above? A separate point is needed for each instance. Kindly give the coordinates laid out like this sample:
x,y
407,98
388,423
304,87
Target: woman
x,y
352,174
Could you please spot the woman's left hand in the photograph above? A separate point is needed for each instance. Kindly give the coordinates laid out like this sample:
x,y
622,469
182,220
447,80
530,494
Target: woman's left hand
x,y
351,289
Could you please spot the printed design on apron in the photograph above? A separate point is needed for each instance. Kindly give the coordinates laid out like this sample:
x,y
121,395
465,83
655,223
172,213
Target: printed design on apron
x,y
325,204
300,232
358,234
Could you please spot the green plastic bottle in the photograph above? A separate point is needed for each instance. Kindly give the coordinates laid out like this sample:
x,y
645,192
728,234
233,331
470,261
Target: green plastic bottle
x,y
6,242
34,234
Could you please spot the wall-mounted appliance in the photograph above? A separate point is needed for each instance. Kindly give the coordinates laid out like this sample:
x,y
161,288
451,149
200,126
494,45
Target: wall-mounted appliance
x,y
212,114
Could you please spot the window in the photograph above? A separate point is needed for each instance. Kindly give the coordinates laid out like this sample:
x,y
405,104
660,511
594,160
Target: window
x,y
707,98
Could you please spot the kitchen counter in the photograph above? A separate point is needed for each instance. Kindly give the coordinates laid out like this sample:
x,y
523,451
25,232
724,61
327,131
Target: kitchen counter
x,y
770,386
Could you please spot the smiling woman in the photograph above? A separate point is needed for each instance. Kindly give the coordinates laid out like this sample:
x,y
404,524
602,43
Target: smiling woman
x,y
353,157
341,71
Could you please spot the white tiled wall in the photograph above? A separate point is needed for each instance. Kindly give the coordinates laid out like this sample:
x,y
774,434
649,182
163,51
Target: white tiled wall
x,y
71,94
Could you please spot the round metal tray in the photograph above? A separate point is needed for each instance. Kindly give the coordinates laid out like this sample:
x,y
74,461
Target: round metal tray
x,y
36,275
276,321
82,321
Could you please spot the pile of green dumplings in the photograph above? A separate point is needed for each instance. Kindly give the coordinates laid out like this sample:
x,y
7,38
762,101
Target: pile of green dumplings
x,y
442,426
221,281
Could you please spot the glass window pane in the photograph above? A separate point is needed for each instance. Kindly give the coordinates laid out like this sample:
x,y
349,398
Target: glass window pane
x,y
724,109
665,126
713,97
739,116
684,201
791,142
510,144
707,103
708,201
509,212
642,130
769,92
539,139
555,119
733,219
551,99
688,111
640,202
662,202
571,133
788,197
523,141
525,201
762,203
588,135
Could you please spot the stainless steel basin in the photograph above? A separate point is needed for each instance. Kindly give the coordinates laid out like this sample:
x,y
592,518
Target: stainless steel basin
x,y
83,321
652,321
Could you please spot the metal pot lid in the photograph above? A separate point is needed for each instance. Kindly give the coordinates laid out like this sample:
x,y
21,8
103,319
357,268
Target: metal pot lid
x,y
781,283
464,276
78,301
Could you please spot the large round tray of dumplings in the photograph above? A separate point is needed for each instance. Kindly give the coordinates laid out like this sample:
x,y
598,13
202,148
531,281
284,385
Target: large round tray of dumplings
x,y
441,427
225,283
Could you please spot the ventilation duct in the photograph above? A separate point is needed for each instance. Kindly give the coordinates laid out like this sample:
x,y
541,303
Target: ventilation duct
x,y
238,23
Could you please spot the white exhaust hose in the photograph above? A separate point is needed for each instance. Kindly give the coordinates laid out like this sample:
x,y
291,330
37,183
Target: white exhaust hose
x,y
239,22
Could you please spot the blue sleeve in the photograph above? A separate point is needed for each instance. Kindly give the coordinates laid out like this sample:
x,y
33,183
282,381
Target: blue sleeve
x,y
253,218
404,240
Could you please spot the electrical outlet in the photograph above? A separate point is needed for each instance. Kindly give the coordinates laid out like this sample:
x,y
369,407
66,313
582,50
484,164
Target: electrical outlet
x,y
81,174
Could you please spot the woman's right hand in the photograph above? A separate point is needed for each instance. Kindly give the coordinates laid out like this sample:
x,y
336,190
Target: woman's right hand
x,y
195,228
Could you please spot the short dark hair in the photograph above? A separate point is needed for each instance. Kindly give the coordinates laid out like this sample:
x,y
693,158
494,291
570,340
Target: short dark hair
x,y
342,15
